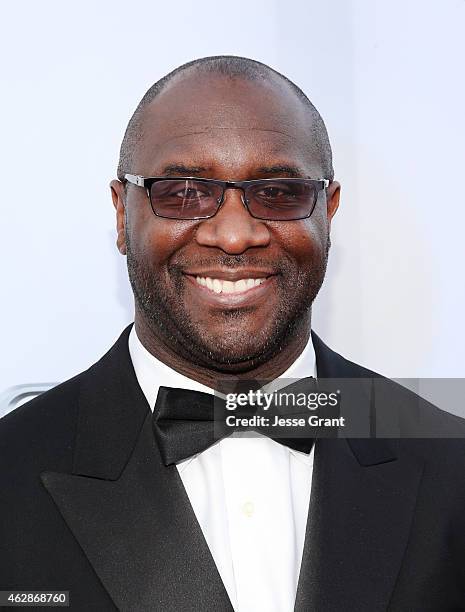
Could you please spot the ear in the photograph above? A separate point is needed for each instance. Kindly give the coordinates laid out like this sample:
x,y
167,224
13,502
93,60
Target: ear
x,y
333,193
118,196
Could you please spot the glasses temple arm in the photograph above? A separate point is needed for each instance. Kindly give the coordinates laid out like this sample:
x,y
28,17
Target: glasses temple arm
x,y
135,179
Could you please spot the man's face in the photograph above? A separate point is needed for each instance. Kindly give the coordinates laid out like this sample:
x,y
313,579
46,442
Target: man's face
x,y
229,129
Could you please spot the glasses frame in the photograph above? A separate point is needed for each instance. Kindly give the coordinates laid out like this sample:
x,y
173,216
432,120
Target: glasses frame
x,y
146,182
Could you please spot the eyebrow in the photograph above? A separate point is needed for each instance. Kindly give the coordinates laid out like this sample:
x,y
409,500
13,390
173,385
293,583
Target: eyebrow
x,y
182,170
278,169
293,171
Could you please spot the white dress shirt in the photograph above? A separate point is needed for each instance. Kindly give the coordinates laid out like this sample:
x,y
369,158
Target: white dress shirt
x,y
250,496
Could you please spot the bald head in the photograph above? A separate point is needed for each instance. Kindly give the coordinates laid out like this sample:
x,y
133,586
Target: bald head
x,y
285,100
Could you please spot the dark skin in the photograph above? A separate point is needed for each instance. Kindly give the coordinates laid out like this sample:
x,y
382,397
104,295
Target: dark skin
x,y
213,126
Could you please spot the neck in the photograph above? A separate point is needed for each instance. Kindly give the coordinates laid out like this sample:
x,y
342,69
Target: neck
x,y
211,375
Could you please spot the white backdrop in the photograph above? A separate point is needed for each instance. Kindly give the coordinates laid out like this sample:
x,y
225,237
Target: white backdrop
x,y
387,78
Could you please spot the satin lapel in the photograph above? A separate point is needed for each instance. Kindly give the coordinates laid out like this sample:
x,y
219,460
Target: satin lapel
x,y
362,503
140,534
357,531
130,513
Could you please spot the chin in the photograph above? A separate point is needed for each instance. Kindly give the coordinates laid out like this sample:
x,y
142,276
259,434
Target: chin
x,y
236,350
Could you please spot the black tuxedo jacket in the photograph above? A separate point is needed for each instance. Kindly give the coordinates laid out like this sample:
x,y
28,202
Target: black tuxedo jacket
x,y
88,506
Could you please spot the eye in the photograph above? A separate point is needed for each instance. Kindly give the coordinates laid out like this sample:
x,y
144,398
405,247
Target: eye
x,y
277,192
274,192
186,190
195,192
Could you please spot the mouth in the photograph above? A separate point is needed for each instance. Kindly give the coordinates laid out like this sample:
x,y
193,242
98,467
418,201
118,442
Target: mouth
x,y
230,287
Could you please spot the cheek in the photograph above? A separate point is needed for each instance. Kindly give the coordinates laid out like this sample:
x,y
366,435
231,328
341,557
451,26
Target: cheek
x,y
154,239
304,240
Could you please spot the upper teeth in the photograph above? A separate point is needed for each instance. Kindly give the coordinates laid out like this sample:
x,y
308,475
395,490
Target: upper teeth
x,y
224,286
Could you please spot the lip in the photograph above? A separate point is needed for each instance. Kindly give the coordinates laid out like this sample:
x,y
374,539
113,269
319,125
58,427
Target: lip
x,y
233,300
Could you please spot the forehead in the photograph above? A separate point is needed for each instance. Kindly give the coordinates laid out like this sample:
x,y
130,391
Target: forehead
x,y
233,124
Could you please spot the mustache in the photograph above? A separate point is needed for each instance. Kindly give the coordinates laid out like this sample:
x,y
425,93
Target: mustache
x,y
230,261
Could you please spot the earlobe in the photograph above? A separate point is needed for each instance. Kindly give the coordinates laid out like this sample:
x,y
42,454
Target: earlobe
x,y
117,195
121,241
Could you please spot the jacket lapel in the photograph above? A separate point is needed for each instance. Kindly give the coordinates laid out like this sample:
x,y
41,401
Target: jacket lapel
x,y
361,509
130,513
133,519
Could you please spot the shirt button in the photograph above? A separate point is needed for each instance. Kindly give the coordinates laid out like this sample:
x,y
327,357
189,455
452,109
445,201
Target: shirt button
x,y
248,509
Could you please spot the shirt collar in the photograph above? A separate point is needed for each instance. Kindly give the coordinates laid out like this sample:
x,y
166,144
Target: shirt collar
x,y
151,372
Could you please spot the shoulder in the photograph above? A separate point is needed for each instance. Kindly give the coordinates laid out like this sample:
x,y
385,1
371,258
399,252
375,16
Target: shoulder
x,y
414,425
331,364
53,414
42,430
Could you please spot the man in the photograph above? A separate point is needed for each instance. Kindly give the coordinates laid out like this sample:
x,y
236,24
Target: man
x,y
224,201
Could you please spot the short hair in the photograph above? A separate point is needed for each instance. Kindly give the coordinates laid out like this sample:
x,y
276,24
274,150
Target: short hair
x,y
229,66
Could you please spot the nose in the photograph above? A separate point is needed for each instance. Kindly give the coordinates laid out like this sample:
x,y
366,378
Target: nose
x,y
233,229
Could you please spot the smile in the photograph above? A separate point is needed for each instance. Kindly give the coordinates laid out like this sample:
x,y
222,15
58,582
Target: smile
x,y
219,285
241,289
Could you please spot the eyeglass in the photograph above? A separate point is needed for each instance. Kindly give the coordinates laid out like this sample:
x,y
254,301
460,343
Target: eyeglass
x,y
189,198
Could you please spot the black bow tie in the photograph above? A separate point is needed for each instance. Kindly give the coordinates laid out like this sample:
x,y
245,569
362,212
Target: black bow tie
x,y
184,421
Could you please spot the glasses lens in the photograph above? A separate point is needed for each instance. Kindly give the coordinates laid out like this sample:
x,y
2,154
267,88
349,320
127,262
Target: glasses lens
x,y
282,200
184,198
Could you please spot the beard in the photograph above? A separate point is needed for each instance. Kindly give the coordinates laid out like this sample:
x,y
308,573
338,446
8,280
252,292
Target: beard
x,y
235,349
